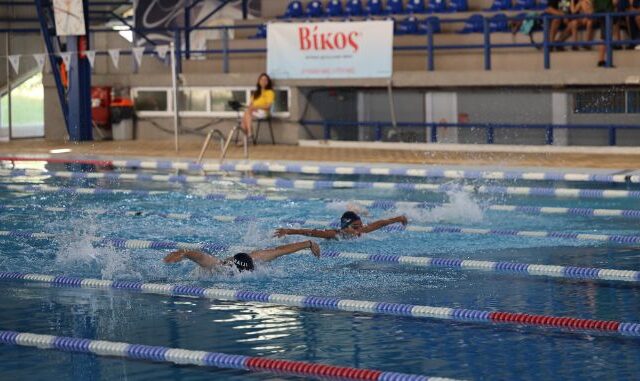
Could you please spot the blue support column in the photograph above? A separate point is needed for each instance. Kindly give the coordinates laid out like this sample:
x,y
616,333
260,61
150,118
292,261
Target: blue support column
x,y
187,33
430,59
79,95
607,40
245,9
487,43
545,42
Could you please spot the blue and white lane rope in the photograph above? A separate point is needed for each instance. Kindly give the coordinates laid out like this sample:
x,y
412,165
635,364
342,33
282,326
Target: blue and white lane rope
x,y
202,358
572,272
435,188
330,303
77,190
343,169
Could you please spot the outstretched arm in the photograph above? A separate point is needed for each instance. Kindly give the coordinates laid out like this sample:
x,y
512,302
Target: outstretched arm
x,y
329,234
271,254
203,260
382,223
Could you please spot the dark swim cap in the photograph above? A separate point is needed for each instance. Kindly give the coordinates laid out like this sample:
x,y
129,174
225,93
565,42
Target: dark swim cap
x,y
243,261
348,218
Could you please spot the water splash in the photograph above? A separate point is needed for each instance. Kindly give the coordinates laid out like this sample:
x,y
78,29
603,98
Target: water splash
x,y
461,208
343,206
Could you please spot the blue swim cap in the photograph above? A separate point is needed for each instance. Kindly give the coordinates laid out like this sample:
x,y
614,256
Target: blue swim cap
x,y
348,218
243,261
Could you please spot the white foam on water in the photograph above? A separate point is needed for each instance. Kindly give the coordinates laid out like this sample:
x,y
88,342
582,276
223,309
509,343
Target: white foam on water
x,y
343,206
461,208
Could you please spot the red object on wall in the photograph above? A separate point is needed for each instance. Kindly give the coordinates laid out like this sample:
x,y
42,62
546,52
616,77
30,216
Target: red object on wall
x,y
101,106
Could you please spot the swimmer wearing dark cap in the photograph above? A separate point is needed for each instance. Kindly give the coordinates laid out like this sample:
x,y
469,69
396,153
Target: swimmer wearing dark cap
x,y
351,226
241,261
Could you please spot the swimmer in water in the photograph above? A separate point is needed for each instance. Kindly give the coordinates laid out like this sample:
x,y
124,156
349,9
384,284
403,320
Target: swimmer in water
x,y
351,226
241,261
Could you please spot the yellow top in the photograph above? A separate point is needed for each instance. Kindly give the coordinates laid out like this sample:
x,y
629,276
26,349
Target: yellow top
x,y
265,100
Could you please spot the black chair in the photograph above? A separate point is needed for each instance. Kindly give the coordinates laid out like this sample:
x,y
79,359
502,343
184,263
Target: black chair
x,y
267,119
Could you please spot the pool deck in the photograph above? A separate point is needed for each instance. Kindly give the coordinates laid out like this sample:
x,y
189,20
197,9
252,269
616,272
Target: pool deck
x,y
620,159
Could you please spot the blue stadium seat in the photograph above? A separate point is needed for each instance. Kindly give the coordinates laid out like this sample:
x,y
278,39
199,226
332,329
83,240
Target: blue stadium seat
x,y
500,5
407,26
261,33
459,6
354,8
435,25
334,8
524,4
437,6
416,6
395,7
499,23
294,10
542,4
374,8
474,24
314,9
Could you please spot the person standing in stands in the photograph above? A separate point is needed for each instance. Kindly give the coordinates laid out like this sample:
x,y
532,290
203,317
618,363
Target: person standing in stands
x,y
261,101
603,6
584,7
569,27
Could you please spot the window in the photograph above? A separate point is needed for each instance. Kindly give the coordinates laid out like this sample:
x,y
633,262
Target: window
x,y
599,101
281,103
194,100
633,101
151,100
220,99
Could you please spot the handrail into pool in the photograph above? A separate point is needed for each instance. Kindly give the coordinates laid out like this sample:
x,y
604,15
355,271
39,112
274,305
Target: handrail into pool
x,y
202,358
342,169
374,204
323,184
555,271
339,304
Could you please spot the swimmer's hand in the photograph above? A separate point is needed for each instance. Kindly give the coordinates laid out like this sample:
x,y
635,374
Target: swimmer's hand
x,y
403,220
174,257
281,232
315,249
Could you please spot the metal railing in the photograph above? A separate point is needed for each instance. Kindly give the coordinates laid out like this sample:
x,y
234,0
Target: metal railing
x,y
489,128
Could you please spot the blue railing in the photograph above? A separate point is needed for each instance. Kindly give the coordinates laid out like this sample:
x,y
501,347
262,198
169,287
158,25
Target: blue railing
x,y
489,128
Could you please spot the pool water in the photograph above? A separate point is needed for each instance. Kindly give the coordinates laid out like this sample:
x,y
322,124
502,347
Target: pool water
x,y
390,343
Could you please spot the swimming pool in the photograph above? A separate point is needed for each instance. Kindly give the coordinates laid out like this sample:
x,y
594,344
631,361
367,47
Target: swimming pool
x,y
99,236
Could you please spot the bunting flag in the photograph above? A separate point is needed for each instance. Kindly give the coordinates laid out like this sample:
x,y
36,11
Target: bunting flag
x,y
15,63
91,57
39,60
115,57
161,51
66,58
137,54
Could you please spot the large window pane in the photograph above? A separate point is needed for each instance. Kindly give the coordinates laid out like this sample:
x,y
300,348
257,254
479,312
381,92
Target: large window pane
x,y
600,102
193,100
281,103
151,100
27,109
633,104
221,97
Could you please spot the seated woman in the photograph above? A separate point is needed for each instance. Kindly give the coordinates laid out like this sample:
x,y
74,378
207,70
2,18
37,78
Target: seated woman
x,y
351,226
241,261
261,102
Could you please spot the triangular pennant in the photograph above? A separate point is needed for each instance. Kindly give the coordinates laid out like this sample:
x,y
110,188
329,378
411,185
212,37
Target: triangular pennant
x,y
115,57
15,62
39,60
66,58
91,57
161,51
137,54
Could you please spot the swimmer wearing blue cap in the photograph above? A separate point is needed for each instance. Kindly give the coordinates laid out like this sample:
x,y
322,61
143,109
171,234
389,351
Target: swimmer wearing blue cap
x,y
241,261
351,226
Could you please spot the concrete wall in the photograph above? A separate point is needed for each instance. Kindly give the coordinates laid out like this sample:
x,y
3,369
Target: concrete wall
x,y
409,106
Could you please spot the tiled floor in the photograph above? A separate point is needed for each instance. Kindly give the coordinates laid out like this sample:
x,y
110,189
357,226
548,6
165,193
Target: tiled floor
x,y
190,149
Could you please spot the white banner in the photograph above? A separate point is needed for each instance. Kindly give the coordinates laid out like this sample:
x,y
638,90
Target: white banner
x,y
137,54
15,63
115,57
39,60
162,50
91,57
330,50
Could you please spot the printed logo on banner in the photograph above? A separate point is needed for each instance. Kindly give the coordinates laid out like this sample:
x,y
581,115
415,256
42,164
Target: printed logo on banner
x,y
330,50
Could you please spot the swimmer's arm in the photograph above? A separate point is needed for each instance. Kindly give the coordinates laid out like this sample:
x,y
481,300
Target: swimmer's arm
x,y
382,223
271,254
203,260
328,234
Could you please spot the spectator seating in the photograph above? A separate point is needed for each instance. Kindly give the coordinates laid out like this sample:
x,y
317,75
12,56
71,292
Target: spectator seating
x,y
334,8
375,8
437,6
474,24
354,8
416,6
524,4
458,5
499,23
500,5
435,25
294,10
394,7
315,9
261,33
406,26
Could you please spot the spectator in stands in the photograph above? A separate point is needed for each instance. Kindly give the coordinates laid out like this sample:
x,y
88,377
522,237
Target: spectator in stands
x,y
602,6
567,27
621,23
584,7
261,101
635,7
